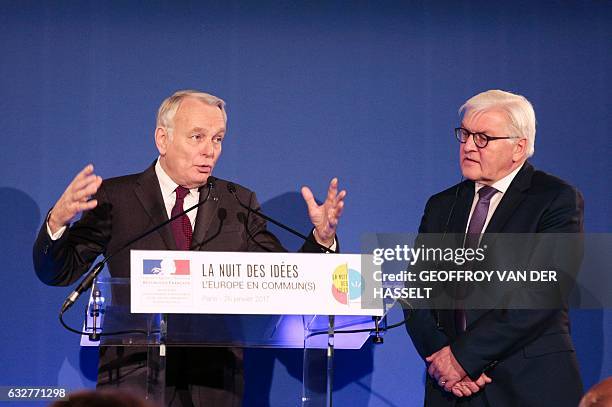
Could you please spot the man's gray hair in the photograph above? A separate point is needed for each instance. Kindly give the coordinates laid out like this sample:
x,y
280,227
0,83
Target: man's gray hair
x,y
168,108
521,116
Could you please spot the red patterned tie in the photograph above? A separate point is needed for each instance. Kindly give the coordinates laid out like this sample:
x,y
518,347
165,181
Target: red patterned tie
x,y
181,227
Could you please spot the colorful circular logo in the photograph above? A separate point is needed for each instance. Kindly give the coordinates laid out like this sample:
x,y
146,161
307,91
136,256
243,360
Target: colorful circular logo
x,y
346,284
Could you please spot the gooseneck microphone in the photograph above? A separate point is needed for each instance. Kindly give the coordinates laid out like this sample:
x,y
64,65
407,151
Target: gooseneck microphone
x,y
452,209
232,189
89,278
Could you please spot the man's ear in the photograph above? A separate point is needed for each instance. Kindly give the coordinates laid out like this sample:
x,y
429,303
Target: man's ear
x,y
162,138
519,150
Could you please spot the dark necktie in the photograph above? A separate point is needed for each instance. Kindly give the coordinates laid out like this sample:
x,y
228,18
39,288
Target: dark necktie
x,y
472,239
479,216
181,227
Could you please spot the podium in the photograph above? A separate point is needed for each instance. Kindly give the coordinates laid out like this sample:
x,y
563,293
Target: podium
x,y
109,307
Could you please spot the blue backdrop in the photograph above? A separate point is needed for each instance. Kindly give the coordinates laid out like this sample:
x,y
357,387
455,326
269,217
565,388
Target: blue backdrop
x,y
365,91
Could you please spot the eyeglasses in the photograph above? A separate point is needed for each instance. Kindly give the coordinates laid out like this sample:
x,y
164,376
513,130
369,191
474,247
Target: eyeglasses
x,y
480,139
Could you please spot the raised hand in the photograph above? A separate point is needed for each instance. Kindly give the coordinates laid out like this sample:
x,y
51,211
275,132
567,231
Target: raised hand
x,y
325,217
75,198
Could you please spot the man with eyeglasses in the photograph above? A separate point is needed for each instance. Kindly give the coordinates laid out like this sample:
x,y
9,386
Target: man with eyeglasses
x,y
506,357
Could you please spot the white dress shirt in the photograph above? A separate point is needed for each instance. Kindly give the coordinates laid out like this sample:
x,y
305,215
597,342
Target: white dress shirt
x,y
168,188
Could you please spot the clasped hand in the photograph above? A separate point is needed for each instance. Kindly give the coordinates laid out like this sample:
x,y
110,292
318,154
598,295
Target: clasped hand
x,y
446,370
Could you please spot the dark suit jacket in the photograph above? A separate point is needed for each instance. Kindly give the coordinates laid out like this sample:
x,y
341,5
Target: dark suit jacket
x,y
130,205
528,353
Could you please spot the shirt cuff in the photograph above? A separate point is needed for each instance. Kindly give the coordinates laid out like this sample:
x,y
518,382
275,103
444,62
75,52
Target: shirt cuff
x,y
332,247
56,235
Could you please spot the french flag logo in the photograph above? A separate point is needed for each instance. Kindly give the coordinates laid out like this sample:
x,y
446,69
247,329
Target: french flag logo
x,y
165,267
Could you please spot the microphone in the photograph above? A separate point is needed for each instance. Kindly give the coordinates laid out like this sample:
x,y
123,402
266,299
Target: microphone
x,y
89,278
83,285
232,189
452,209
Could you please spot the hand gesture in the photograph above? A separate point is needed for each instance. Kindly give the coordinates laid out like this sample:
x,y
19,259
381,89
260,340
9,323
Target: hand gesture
x,y
75,198
325,217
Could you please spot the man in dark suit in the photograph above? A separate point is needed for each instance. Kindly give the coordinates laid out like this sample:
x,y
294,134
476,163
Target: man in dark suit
x,y
511,357
190,129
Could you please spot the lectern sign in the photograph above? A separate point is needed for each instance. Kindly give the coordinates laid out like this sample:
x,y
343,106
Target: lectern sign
x,y
246,283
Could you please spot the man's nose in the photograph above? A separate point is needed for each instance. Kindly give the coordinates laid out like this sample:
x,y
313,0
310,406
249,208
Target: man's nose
x,y
469,144
206,148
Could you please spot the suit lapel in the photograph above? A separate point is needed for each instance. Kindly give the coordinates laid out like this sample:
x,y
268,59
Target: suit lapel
x,y
150,196
511,199
204,217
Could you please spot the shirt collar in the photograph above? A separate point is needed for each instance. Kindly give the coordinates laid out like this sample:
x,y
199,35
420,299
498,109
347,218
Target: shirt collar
x,y
503,184
165,182
167,185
